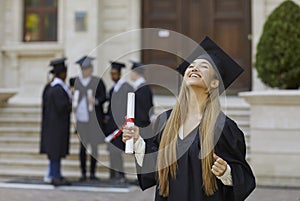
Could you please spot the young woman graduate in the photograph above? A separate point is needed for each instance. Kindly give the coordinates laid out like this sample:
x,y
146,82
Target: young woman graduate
x,y
198,153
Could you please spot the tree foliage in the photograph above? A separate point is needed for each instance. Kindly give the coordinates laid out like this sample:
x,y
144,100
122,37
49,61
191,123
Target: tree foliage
x,y
278,50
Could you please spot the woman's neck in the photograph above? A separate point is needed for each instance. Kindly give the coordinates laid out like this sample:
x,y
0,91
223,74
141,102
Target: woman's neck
x,y
197,102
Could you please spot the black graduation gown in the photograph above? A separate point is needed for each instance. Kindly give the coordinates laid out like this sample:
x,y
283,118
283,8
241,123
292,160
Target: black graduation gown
x,y
187,185
116,113
143,106
100,95
44,118
55,122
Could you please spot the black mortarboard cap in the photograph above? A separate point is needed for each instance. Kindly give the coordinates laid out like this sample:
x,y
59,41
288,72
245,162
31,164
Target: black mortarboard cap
x,y
58,66
137,67
85,62
117,65
227,68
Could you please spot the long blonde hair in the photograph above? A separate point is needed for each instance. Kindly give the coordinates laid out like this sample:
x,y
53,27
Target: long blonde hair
x,y
167,157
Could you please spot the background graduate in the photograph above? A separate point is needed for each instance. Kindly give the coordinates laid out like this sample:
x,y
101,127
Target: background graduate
x,y
198,152
55,132
115,119
89,114
144,114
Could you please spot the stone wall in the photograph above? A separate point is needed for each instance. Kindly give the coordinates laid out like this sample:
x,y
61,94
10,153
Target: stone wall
x,y
79,43
25,65
105,20
117,19
275,136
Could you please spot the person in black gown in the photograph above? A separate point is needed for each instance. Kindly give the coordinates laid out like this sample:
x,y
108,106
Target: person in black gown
x,y
144,114
197,153
55,131
115,119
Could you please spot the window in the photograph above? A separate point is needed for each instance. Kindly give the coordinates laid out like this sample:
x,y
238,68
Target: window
x,y
40,20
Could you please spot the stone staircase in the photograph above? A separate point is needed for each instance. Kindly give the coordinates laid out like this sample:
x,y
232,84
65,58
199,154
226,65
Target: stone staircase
x,y
20,141
238,110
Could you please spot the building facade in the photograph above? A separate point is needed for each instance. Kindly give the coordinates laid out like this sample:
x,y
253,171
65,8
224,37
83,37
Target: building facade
x,y
71,28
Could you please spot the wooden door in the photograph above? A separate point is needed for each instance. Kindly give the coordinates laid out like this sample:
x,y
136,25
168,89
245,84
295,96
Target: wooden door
x,y
225,21
164,15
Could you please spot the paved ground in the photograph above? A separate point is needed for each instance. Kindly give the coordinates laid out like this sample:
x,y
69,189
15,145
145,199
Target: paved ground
x,y
12,193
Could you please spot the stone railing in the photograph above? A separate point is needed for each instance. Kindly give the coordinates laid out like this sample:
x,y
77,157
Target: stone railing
x,y
6,94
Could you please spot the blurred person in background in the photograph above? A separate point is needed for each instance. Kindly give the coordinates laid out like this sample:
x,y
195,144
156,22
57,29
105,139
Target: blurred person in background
x,y
55,131
89,96
144,114
115,119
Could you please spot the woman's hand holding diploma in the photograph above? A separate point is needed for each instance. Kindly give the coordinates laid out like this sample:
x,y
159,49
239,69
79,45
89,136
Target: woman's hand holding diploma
x,y
130,132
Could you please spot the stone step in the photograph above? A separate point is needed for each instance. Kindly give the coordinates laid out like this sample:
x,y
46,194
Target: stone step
x,y
32,173
29,141
32,138
68,165
243,124
33,153
20,121
238,115
28,137
20,111
17,130
231,107
104,158
38,156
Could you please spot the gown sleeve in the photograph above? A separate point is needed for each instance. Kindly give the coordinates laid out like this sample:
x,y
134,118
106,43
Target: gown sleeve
x,y
147,173
100,93
231,147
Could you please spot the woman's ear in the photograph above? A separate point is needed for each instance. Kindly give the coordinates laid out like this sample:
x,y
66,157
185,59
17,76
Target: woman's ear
x,y
214,83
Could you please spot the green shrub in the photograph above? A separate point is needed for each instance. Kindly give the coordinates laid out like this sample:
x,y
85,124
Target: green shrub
x,y
278,50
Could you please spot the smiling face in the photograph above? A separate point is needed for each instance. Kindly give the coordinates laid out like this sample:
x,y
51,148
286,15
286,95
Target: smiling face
x,y
201,74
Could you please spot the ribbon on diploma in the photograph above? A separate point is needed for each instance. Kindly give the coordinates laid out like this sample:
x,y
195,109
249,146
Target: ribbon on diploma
x,y
118,132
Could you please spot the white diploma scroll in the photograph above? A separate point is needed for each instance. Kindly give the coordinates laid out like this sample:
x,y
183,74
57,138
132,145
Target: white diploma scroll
x,y
90,95
75,98
130,115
